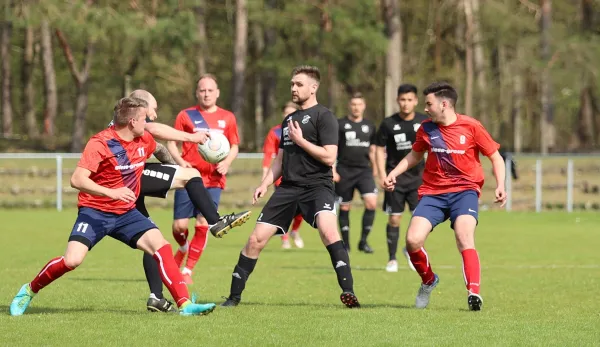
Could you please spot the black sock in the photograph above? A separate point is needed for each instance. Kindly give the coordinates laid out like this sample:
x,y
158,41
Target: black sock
x,y
393,234
153,276
202,200
341,265
240,275
140,205
344,221
367,223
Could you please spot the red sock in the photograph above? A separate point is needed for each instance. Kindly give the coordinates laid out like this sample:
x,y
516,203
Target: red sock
x,y
420,260
170,275
471,270
297,222
51,271
285,237
197,246
180,238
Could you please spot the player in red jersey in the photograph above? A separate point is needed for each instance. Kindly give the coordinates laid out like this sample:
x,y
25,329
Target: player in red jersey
x,y
108,178
206,116
451,187
270,150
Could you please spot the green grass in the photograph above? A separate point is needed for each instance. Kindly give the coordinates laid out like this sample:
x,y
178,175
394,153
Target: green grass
x,y
541,275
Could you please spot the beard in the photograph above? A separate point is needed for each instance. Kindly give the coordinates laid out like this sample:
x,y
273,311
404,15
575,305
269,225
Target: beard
x,y
299,100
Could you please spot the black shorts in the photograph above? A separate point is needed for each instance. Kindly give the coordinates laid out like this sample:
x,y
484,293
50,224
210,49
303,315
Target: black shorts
x,y
394,202
157,179
354,178
288,201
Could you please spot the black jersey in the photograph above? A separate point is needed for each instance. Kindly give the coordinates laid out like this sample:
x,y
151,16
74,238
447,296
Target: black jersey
x,y
355,139
397,136
320,127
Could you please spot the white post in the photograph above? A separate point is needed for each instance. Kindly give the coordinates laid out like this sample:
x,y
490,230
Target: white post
x,y
570,186
508,182
59,183
538,185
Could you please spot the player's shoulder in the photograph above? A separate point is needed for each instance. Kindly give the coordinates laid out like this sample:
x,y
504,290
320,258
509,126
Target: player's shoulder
x,y
390,120
104,135
275,128
369,122
184,112
322,111
468,121
224,113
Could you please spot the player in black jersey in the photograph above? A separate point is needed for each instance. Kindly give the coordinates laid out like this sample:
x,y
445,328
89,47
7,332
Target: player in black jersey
x,y
395,137
355,169
307,151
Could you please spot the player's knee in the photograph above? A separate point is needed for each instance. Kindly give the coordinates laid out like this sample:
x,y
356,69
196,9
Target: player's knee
x,y
370,202
73,261
345,207
394,221
187,173
180,226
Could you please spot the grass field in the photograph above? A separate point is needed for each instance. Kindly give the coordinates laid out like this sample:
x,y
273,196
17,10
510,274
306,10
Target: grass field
x,y
541,275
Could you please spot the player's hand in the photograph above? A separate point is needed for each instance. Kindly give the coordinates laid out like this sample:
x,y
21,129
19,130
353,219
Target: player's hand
x,y
381,182
123,194
336,177
295,132
223,167
389,183
500,196
200,137
184,164
259,193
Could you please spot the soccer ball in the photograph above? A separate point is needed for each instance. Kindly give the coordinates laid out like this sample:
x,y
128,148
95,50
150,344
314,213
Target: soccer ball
x,y
215,149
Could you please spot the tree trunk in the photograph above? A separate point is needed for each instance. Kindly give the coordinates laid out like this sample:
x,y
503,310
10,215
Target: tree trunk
x,y
548,132
479,65
50,99
393,61
468,8
7,111
81,82
438,38
27,97
238,97
269,76
259,49
517,100
202,50
500,129
459,49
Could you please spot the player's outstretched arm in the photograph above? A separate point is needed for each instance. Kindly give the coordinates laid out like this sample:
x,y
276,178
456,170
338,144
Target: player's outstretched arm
x,y
499,169
410,160
80,180
165,132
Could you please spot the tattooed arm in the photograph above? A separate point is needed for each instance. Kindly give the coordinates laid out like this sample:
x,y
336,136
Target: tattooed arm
x,y
163,155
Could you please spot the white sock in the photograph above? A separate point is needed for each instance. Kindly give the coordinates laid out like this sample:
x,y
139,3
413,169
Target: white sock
x,y
184,248
186,271
152,296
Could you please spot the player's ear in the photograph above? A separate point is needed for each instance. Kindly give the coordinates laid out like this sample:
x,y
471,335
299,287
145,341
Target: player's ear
x,y
218,92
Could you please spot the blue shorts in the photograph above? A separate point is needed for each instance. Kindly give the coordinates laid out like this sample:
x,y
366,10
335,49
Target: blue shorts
x,y
183,207
438,208
92,225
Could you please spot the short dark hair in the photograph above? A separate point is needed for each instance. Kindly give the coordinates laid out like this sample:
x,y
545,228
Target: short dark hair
x,y
407,88
442,90
310,71
357,95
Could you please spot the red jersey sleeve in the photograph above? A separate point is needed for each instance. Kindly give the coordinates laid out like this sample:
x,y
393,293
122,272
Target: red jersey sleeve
x,y
486,145
181,121
270,148
231,132
421,144
93,154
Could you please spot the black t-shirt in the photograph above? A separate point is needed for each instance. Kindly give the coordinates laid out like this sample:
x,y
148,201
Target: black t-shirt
x,y
320,127
355,139
397,136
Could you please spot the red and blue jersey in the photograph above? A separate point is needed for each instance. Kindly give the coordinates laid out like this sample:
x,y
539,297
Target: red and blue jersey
x,y
271,147
114,163
195,119
453,155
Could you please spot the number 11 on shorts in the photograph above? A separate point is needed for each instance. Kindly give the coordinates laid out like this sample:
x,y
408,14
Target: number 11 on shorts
x,y
82,227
